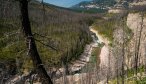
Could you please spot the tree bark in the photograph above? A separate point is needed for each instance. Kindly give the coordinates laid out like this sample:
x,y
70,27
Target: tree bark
x,y
123,55
32,49
139,42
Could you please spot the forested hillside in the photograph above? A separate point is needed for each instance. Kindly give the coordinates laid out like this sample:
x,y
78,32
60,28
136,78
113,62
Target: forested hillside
x,y
60,35
94,6
42,43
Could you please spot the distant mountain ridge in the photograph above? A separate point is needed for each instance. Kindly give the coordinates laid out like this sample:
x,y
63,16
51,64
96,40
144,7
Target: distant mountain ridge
x,y
94,6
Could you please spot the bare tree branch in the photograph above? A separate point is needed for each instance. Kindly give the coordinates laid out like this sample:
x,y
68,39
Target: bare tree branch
x,y
46,45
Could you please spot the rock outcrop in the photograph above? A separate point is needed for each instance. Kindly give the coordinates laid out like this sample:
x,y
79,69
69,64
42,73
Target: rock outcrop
x,y
137,23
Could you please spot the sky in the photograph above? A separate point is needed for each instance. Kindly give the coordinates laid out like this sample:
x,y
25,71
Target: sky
x,y
64,3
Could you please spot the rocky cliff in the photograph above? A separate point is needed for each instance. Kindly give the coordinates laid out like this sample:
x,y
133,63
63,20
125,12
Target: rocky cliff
x,y
137,23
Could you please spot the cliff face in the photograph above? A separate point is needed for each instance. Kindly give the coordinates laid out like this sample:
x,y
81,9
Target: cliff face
x,y
135,44
137,24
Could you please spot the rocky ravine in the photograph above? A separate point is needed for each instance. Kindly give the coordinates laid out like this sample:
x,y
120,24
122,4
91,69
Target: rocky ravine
x,y
102,71
107,59
106,66
115,54
105,49
73,67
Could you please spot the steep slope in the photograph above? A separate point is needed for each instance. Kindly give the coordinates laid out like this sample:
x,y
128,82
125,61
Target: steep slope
x,y
134,49
136,22
61,35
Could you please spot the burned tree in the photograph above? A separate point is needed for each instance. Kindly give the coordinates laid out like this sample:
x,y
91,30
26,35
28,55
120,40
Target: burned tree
x,y
32,49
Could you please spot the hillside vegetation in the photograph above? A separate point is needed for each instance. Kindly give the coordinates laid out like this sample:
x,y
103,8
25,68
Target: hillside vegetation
x,y
60,34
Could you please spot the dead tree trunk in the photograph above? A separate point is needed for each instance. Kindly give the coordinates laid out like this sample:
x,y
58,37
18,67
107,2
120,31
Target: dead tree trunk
x,y
44,13
139,42
32,49
123,55
145,61
108,70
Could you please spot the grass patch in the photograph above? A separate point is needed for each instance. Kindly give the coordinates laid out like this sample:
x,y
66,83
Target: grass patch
x,y
95,55
105,28
142,81
93,62
131,79
109,15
